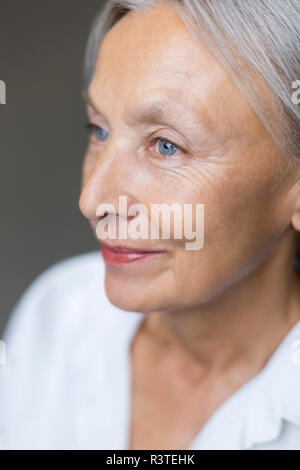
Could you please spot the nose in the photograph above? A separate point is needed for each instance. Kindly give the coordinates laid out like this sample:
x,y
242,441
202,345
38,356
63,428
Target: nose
x,y
111,177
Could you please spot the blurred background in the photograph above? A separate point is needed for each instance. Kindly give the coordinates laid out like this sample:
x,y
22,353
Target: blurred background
x,y
42,139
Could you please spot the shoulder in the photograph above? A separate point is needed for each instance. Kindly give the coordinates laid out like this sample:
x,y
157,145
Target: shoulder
x,y
51,294
40,338
49,314
58,339
63,313
65,275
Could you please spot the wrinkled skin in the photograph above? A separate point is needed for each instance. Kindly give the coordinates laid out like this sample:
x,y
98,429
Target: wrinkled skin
x,y
217,302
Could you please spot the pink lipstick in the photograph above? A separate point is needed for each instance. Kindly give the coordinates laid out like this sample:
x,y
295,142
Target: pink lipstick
x,y
115,255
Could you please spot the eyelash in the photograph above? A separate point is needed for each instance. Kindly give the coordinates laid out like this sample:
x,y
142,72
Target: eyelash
x,y
91,127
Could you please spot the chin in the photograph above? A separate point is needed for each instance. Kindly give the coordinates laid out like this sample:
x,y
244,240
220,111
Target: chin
x,y
130,295
125,295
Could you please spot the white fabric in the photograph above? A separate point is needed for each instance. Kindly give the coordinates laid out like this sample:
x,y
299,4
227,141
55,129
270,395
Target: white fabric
x,y
66,381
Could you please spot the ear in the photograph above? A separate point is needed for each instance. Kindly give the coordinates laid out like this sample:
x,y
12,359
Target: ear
x,y
295,220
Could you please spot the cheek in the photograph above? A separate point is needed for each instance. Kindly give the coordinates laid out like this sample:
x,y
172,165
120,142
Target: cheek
x,y
243,221
243,213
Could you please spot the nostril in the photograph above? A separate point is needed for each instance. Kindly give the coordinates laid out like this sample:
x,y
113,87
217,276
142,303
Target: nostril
x,y
100,217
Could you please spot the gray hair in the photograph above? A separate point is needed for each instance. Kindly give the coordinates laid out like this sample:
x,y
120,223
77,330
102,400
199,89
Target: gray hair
x,y
257,41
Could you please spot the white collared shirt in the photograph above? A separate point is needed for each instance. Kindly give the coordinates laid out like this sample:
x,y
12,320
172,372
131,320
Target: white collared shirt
x,y
66,381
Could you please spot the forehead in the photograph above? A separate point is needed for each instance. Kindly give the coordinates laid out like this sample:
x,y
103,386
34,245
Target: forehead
x,y
154,50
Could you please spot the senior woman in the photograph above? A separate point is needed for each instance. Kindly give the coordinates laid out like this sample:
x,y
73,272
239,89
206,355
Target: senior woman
x,y
152,345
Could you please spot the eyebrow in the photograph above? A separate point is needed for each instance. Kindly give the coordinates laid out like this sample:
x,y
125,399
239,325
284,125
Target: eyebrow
x,y
160,109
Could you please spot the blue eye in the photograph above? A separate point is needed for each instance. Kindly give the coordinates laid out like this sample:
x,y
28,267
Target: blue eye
x,y
166,147
98,132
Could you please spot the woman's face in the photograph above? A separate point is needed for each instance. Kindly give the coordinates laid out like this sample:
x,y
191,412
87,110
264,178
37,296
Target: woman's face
x,y
221,157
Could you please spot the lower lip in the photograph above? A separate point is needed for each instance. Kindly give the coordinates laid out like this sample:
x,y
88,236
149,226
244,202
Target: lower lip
x,y
116,257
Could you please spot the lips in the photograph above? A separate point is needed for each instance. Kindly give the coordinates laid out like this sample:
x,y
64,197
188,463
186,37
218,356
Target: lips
x,y
121,254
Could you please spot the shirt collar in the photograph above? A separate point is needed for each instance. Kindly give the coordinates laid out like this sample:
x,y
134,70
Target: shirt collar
x,y
276,394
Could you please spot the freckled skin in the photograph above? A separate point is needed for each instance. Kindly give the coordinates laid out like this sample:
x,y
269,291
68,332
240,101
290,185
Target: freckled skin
x,y
218,301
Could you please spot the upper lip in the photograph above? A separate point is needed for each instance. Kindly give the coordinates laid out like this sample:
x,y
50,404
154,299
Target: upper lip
x,y
127,249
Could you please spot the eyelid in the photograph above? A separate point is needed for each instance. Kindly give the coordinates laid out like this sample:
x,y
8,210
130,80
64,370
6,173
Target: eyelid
x,y
91,124
94,117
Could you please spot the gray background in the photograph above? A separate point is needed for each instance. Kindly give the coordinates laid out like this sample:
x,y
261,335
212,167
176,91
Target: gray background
x,y
42,139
